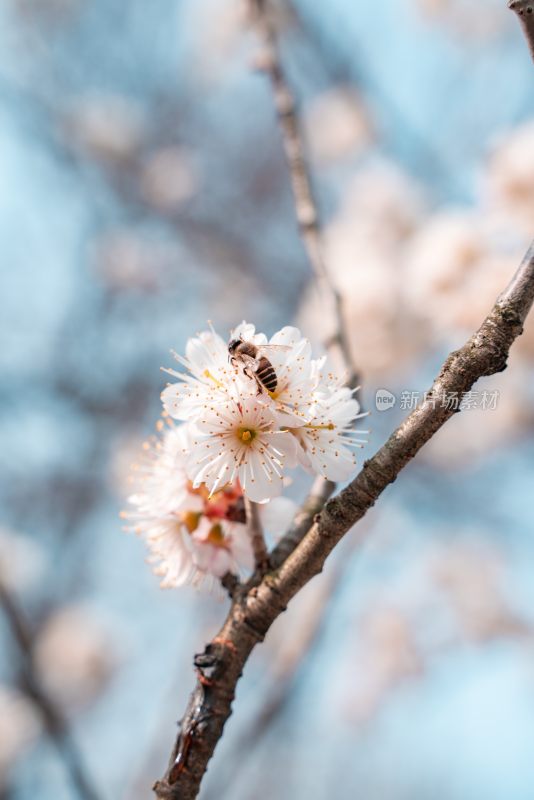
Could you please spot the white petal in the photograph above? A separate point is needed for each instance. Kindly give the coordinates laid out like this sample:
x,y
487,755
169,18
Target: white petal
x,y
303,459
284,444
247,332
335,463
287,336
257,478
209,558
210,464
240,545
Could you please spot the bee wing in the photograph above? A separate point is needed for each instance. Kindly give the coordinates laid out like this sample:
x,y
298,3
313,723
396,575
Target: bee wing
x,y
273,348
248,360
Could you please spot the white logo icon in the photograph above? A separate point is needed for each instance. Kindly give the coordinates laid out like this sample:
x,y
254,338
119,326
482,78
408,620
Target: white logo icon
x,y
384,400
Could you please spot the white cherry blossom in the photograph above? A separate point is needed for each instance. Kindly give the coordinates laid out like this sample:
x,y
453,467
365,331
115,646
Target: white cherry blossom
x,y
326,442
223,403
241,440
193,535
294,371
209,377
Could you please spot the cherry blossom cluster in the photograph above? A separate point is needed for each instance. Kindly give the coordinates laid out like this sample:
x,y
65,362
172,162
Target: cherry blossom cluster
x,y
193,535
238,432
228,437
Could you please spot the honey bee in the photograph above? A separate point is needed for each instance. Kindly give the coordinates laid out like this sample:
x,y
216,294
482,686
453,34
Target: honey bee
x,y
255,363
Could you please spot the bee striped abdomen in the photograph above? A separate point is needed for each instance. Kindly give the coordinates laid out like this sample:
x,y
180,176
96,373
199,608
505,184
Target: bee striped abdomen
x,y
266,374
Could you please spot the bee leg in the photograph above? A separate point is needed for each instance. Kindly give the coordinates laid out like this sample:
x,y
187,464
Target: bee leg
x,y
259,384
252,375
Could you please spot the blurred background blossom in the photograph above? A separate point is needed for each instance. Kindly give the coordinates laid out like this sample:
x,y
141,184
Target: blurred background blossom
x,y
143,192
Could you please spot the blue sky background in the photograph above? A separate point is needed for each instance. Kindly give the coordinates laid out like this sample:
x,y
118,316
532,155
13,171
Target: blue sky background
x,y
80,359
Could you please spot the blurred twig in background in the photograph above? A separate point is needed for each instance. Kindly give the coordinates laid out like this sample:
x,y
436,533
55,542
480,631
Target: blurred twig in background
x,y
305,203
53,718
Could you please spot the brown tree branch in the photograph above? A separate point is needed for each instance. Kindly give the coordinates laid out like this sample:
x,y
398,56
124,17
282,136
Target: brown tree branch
x,y
54,721
305,203
257,605
525,12
309,629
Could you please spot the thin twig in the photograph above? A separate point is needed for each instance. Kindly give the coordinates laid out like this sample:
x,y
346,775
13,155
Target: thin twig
x,y
525,12
261,556
54,721
306,207
307,214
253,612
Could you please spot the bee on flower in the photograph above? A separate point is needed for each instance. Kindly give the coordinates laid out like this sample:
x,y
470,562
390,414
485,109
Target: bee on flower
x,y
249,411
256,429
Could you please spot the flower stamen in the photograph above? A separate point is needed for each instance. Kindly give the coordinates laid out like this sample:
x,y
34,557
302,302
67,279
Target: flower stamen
x,y
218,384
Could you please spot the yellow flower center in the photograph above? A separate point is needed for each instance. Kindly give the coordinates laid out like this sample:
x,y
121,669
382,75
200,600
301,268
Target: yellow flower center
x,y
191,519
216,536
246,435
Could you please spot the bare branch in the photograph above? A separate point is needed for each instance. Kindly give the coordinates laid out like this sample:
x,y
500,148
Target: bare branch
x,y
305,204
287,674
525,12
261,556
253,611
520,291
307,215
53,719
